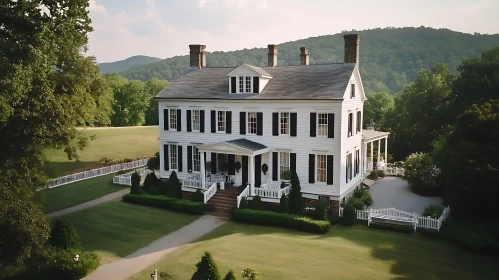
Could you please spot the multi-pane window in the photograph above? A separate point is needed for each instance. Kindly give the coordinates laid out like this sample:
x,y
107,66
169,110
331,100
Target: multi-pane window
x,y
196,159
248,84
195,120
284,123
322,124
173,157
350,124
283,163
221,121
357,162
252,123
241,84
352,90
349,168
173,119
359,121
321,168
222,162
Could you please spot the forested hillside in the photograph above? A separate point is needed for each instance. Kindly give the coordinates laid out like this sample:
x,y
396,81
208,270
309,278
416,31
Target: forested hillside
x,y
123,65
389,57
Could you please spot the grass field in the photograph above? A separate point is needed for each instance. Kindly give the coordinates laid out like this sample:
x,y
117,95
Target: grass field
x,y
116,229
355,252
79,192
114,143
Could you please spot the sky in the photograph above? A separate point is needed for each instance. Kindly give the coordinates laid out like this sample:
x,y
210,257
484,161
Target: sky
x,y
165,28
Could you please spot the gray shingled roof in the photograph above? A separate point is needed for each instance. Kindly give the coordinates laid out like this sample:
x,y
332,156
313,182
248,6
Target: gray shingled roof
x,y
258,70
320,81
247,144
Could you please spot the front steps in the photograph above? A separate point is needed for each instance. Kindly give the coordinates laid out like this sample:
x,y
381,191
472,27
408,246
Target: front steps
x,y
224,201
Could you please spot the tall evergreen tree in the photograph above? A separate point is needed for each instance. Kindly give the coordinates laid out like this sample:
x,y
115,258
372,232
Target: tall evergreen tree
x,y
206,269
295,198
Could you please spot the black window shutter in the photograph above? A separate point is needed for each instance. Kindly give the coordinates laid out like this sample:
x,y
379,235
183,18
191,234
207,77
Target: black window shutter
x,y
259,123
313,119
179,120
275,165
189,159
292,162
311,168
256,84
213,163
180,157
330,125
165,158
330,169
233,84
359,118
165,119
189,120
201,121
275,124
242,123
293,124
231,164
244,167
258,171
213,121
228,122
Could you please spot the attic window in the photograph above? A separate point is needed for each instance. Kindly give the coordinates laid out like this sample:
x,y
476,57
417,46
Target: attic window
x,y
352,91
248,84
241,84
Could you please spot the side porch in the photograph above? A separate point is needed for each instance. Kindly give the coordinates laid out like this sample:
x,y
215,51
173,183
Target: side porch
x,y
371,161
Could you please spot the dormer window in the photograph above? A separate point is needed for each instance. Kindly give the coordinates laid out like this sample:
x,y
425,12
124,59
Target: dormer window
x,y
248,85
247,79
241,84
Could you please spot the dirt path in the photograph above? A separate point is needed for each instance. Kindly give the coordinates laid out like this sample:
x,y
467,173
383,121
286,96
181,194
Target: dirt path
x,y
100,200
142,258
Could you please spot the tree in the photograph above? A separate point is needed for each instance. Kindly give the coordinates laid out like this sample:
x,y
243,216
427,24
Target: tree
x,y
349,215
64,236
173,186
206,269
244,203
419,113
153,87
135,187
47,87
320,211
230,275
295,198
130,103
250,274
283,204
376,108
153,163
420,170
470,169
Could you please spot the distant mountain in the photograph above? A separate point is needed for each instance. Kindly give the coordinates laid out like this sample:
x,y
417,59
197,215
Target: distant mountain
x,y
123,65
389,57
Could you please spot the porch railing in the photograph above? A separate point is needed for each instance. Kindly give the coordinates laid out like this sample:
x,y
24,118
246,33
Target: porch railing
x,y
272,193
210,192
242,195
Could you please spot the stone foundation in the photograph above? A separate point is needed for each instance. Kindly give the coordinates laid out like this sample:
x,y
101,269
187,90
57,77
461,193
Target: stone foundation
x,y
187,195
333,205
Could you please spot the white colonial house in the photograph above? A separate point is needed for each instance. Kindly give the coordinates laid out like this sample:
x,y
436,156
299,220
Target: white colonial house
x,y
238,132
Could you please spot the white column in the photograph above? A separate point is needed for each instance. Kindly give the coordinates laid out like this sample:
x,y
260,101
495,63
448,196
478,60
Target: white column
x,y
386,150
203,170
372,151
271,165
252,174
379,153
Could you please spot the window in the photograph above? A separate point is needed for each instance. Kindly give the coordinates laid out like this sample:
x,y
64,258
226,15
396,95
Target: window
x,y
321,168
359,121
220,120
222,162
322,124
195,120
352,90
173,119
283,163
284,124
241,84
349,168
173,157
248,85
357,162
350,124
251,123
196,159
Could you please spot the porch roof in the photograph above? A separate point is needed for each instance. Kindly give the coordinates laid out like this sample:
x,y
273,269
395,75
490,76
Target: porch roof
x,y
240,146
371,135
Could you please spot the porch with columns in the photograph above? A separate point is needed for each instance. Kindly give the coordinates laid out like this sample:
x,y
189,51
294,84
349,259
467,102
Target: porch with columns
x,y
369,137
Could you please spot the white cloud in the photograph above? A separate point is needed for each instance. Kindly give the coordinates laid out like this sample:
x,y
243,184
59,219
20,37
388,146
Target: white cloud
x,y
94,7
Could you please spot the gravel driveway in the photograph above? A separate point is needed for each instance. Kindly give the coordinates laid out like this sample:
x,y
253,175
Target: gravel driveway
x,y
394,192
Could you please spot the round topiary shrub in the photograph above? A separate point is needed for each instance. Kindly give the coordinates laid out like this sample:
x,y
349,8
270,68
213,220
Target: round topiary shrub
x,y
373,175
63,266
320,211
381,173
198,196
135,188
349,215
243,204
257,203
283,204
64,236
434,211
357,203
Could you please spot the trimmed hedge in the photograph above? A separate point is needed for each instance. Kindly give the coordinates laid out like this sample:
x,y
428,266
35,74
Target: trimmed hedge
x,y
160,201
280,219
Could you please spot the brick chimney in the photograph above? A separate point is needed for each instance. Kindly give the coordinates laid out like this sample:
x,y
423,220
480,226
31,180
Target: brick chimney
x,y
272,55
304,60
351,48
197,56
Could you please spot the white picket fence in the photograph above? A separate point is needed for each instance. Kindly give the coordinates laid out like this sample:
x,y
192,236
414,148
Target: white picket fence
x,y
73,178
126,179
393,171
421,222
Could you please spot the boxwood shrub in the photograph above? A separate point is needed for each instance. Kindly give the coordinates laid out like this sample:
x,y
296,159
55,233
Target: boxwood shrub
x,y
280,219
160,201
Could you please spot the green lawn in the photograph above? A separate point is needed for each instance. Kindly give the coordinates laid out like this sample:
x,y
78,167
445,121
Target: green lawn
x,y
356,252
114,143
79,192
116,229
